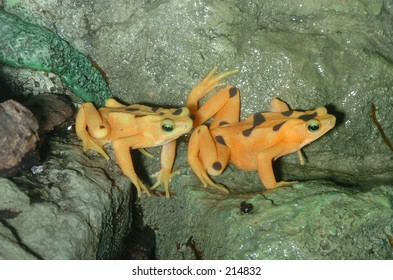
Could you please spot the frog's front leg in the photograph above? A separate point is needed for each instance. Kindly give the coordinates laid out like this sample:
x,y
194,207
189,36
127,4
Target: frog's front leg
x,y
91,128
204,154
265,166
165,174
124,160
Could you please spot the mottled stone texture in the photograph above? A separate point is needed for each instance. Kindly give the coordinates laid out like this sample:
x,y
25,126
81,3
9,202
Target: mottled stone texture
x,y
18,138
50,110
308,53
72,209
312,220
23,127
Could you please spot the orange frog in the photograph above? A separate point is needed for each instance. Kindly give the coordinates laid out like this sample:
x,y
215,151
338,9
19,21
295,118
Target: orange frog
x,y
136,127
250,144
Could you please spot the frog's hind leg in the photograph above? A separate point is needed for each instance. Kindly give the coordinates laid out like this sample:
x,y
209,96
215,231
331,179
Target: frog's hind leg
x,y
204,154
230,111
112,103
205,86
91,127
223,105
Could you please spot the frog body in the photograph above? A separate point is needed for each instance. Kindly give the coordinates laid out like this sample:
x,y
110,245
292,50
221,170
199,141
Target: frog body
x,y
133,127
251,144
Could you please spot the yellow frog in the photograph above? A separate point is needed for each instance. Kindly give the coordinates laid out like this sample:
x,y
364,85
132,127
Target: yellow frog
x,y
251,144
135,126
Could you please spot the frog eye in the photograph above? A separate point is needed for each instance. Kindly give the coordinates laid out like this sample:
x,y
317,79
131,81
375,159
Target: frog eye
x,y
167,126
313,126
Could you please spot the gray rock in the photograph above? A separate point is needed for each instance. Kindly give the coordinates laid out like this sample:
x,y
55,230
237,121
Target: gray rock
x,y
50,110
311,220
73,209
26,83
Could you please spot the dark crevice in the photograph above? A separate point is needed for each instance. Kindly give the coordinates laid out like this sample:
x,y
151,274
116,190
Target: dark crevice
x,y
19,240
140,243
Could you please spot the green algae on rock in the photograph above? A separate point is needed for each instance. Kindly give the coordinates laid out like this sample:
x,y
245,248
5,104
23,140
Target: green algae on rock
x,y
26,45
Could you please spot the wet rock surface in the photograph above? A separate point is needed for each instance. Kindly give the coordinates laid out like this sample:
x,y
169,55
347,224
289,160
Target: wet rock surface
x,y
313,219
310,220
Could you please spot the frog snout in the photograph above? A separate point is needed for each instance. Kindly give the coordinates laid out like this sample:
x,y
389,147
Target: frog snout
x,y
332,121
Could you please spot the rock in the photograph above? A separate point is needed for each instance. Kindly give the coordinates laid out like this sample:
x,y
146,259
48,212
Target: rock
x,y
310,220
21,84
140,245
21,133
50,110
18,139
73,209
308,55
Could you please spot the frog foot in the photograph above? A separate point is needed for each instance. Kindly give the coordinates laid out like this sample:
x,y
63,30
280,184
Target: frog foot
x,y
206,181
210,81
219,187
146,153
139,187
206,85
283,184
163,178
